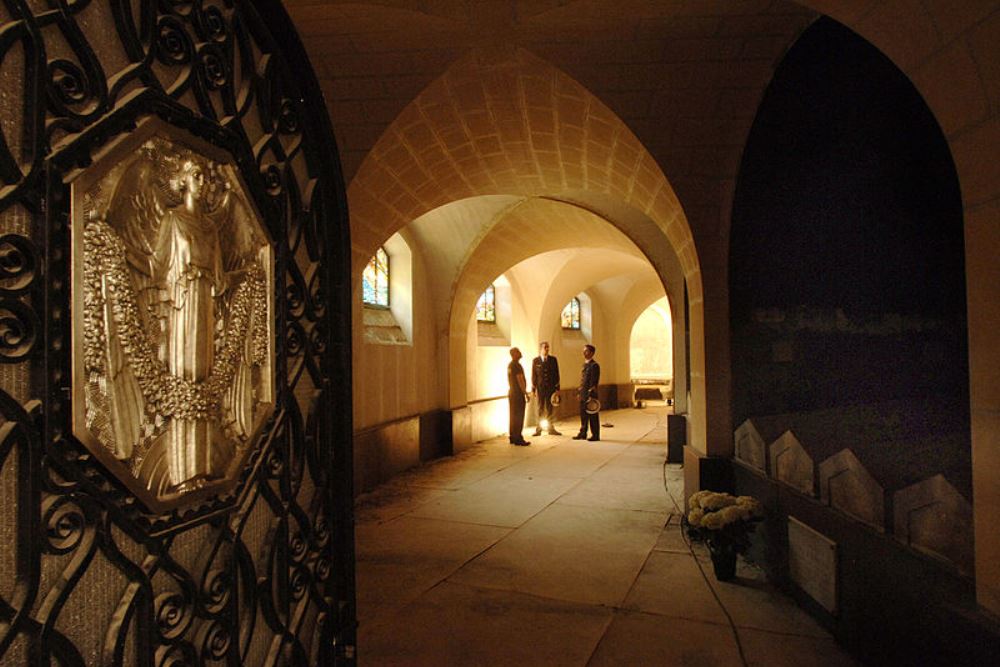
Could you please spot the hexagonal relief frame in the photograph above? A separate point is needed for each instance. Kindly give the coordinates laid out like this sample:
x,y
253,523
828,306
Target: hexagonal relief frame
x,y
173,315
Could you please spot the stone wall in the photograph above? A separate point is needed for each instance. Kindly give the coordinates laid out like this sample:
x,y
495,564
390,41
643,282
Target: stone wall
x,y
384,450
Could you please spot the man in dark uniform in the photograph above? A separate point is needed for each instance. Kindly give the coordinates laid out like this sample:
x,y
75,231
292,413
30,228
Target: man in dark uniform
x,y
590,376
517,396
545,382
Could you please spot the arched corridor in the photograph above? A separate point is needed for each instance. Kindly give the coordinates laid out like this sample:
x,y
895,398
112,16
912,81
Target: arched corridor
x,y
486,180
562,553
263,264
546,146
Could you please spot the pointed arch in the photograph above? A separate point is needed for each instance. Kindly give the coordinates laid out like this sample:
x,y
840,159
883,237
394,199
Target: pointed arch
x,y
504,122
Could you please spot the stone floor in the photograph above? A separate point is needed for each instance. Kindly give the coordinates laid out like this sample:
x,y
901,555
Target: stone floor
x,y
562,553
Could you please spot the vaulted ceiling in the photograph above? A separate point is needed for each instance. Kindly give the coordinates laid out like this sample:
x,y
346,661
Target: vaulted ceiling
x,y
685,75
682,77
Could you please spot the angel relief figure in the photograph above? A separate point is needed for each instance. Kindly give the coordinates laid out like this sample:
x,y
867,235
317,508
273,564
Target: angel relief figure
x,y
176,331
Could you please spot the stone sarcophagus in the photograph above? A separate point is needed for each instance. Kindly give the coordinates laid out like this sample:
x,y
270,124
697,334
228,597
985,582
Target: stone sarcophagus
x,y
173,284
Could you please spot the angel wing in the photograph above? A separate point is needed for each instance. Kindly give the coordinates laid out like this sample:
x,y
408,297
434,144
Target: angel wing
x,y
124,396
238,400
134,212
243,240
136,209
115,402
241,255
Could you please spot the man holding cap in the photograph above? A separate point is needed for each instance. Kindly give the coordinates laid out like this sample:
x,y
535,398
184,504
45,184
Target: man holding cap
x,y
590,376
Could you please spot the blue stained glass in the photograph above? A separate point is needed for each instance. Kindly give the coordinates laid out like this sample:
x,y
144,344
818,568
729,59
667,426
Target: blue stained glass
x,y
571,314
375,280
486,309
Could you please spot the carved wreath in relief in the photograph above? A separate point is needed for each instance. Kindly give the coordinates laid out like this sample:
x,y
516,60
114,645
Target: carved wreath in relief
x,y
175,307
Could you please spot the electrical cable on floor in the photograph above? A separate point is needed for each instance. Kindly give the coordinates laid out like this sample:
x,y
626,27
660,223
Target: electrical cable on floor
x,y
732,623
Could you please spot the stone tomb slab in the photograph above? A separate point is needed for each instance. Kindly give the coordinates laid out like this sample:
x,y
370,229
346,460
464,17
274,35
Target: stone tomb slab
x,y
792,465
933,516
750,446
846,485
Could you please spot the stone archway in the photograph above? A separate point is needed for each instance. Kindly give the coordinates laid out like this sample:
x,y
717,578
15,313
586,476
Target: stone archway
x,y
566,226
466,136
950,56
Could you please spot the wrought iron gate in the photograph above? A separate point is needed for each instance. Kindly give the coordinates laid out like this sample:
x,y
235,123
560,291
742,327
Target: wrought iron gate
x,y
256,571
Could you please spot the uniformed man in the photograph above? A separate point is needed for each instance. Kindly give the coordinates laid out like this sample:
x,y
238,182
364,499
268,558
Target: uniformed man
x,y
544,383
590,376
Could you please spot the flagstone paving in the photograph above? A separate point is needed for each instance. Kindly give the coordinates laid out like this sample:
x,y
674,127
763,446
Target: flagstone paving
x,y
562,553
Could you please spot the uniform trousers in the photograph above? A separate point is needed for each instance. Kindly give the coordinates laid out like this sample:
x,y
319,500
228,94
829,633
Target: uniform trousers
x,y
545,409
594,421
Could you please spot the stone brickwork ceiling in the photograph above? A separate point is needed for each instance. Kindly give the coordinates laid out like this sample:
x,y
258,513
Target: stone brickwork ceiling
x,y
679,81
504,122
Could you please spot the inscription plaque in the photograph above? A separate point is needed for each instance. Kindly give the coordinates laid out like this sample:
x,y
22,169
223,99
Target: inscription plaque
x,y
812,563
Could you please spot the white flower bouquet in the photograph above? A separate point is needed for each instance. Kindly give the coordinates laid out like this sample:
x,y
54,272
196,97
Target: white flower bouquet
x,y
714,510
724,522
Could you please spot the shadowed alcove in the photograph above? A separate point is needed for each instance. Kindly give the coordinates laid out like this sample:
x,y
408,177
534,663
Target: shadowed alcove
x,y
848,307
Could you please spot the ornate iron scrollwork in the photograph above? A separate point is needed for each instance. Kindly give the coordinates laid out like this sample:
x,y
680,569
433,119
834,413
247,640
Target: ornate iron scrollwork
x,y
173,315
163,183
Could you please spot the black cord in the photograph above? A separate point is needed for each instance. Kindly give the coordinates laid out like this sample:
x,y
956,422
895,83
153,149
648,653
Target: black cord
x,y
732,623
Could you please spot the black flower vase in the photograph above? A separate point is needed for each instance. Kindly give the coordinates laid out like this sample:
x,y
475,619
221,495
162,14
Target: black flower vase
x,y
723,562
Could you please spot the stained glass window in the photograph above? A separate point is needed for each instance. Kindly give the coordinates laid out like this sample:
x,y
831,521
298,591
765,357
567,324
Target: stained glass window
x,y
571,314
486,309
375,280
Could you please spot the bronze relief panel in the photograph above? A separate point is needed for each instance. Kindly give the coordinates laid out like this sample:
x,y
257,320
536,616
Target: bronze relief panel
x,y
173,279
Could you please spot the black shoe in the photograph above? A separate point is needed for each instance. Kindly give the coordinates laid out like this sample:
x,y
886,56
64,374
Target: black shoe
x,y
595,439
580,436
554,432
522,443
